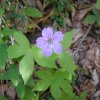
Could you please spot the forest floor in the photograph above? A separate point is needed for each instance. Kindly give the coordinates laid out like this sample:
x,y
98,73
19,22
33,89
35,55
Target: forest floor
x,y
85,48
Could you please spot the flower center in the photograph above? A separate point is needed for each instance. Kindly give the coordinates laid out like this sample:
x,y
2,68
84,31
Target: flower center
x,y
50,41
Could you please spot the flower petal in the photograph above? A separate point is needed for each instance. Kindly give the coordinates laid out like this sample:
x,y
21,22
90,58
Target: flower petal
x,y
58,36
47,32
57,47
47,50
41,42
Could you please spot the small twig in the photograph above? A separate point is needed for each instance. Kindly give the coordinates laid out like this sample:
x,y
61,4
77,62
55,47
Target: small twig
x,y
2,90
54,25
18,5
44,19
64,24
39,5
86,33
77,90
12,40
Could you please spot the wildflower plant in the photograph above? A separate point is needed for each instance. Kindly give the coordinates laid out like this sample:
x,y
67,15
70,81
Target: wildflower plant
x,y
49,51
36,69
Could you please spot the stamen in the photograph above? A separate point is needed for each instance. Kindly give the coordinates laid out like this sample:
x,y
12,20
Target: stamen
x,y
50,41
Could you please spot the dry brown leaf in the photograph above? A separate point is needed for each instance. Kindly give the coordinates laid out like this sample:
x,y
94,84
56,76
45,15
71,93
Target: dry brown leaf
x,y
89,87
97,93
95,77
38,4
97,58
80,14
11,93
31,2
3,88
78,34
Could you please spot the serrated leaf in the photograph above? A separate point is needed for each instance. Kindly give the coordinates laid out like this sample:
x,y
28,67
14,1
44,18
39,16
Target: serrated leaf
x,y
66,87
21,39
66,62
81,97
20,48
20,89
44,74
42,60
16,51
12,74
6,31
32,12
62,74
3,54
26,66
56,81
42,85
67,40
59,83
55,91
46,77
98,4
90,19
30,94
59,88
65,96
30,82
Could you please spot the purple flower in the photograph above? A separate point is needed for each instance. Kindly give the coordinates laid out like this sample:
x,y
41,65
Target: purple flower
x,y
49,42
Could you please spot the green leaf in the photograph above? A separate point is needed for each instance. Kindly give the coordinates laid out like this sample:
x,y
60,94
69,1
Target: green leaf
x,y
69,97
55,91
66,62
20,48
16,51
56,80
12,74
32,12
83,95
42,60
59,83
98,18
7,31
0,21
59,88
67,40
1,12
26,66
3,98
30,82
20,89
14,15
21,39
3,54
90,19
46,77
98,4
30,94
